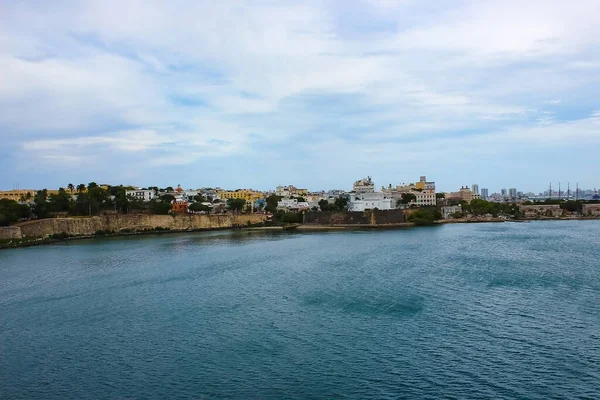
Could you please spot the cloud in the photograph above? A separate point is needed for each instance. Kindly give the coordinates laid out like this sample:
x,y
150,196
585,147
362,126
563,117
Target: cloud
x,y
198,83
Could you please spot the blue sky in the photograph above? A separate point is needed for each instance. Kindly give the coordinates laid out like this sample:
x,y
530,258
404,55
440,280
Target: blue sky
x,y
312,93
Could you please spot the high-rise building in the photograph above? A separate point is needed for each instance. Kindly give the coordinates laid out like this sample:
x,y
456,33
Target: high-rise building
x,y
475,188
484,194
512,193
504,192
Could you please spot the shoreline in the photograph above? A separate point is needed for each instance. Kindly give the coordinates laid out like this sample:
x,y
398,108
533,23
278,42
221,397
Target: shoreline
x,y
31,242
336,227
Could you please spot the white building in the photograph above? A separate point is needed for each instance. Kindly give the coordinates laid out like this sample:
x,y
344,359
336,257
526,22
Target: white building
x,y
141,194
371,201
364,186
292,205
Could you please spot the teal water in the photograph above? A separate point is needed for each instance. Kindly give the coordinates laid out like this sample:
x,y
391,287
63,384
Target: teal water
x,y
495,311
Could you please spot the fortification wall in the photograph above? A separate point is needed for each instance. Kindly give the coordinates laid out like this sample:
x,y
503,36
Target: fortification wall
x,y
135,222
378,217
385,217
10,232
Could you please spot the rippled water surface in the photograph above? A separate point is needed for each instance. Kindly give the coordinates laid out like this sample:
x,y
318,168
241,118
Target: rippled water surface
x,y
493,311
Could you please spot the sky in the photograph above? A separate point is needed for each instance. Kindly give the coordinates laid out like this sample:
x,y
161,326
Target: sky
x,y
318,94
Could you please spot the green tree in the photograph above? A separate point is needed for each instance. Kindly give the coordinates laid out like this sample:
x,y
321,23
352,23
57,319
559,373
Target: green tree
x,y
60,202
121,199
159,206
407,198
92,185
236,204
199,198
440,195
272,201
81,188
133,203
324,205
341,203
288,217
327,206
167,198
425,216
199,207
11,211
572,206
71,187
40,203
99,198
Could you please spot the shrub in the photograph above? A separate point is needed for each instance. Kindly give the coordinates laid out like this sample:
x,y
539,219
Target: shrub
x,y
425,216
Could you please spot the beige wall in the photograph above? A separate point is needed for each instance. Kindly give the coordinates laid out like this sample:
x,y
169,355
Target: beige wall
x,y
591,209
10,232
88,226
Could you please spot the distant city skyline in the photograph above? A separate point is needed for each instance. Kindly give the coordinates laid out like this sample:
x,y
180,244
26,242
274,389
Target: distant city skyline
x,y
481,189
315,94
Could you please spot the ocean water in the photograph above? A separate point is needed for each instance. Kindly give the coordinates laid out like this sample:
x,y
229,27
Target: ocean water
x,y
498,311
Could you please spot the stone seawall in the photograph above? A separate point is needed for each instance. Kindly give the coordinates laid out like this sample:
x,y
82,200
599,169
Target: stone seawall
x,y
10,232
374,217
138,222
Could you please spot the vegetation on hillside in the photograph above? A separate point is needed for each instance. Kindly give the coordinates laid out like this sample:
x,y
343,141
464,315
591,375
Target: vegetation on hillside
x,y
11,211
425,216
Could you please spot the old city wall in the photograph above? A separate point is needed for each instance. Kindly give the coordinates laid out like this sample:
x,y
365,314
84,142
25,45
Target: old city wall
x,y
385,217
10,232
377,217
117,223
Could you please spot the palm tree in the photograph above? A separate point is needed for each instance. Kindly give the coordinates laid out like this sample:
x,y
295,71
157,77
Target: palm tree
x,y
81,188
71,187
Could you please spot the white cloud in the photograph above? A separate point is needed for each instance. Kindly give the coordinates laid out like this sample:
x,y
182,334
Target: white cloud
x,y
184,80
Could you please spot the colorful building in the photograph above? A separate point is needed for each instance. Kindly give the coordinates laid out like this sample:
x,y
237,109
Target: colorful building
x,y
19,194
180,207
247,194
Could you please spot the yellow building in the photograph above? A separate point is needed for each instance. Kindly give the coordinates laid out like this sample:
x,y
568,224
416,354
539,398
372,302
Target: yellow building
x,y
247,194
19,194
